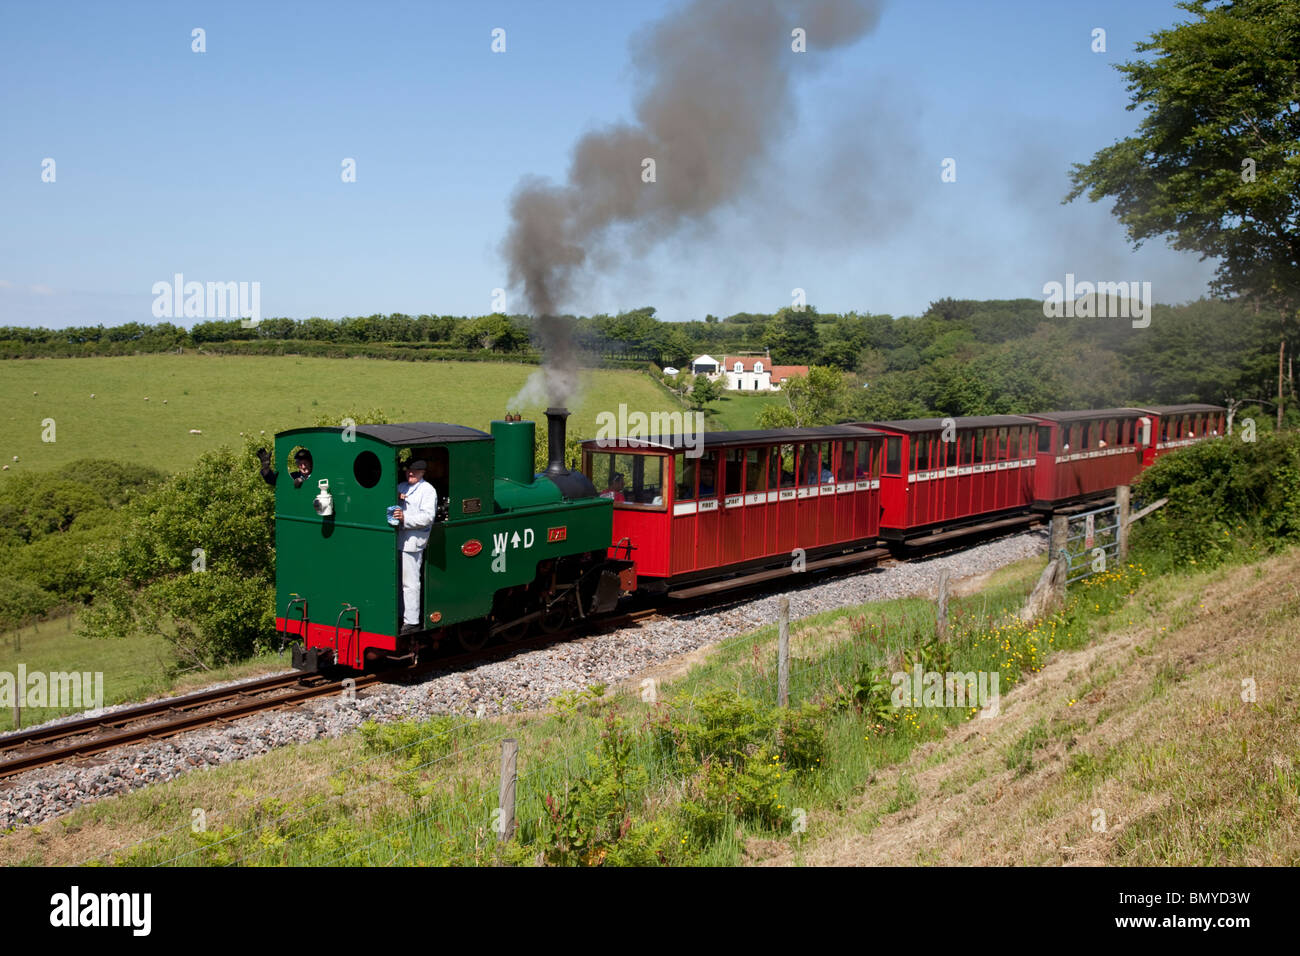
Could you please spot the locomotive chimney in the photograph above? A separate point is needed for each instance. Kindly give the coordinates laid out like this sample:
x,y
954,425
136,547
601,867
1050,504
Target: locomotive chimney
x,y
555,440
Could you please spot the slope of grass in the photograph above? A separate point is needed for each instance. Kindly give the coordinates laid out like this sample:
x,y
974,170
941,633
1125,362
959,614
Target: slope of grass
x,y
224,395
1173,740
737,411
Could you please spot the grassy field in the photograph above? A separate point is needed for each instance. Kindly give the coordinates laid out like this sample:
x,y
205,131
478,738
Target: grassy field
x,y
737,411
225,395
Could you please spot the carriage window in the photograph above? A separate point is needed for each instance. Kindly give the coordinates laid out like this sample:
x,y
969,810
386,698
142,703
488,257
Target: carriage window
x,y
922,458
868,460
684,470
755,469
635,480
808,470
826,474
963,448
708,472
1044,438
1112,432
1004,445
978,440
893,455
848,459
787,466
914,442
735,464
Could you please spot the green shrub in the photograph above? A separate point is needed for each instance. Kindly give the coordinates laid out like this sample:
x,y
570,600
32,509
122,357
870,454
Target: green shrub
x,y
1224,496
725,726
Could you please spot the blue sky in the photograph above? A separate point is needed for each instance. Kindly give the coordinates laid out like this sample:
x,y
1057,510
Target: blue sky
x,y
225,165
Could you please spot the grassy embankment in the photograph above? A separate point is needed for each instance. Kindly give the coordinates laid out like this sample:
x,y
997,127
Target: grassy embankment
x,y
1137,711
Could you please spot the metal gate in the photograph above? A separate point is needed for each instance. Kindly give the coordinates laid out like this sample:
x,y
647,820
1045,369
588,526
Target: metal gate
x,y
1091,542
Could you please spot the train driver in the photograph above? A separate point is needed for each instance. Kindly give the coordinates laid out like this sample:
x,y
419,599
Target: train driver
x,y
415,517
301,460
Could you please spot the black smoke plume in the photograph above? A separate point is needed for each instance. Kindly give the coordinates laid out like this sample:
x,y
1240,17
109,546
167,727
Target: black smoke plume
x,y
716,94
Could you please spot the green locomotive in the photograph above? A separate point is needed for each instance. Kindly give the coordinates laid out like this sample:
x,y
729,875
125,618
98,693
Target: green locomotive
x,y
508,550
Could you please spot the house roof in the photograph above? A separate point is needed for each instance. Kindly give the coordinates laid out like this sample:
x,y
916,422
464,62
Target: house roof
x,y
747,363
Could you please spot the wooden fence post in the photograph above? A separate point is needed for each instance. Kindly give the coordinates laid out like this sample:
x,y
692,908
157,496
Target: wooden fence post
x,y
1060,532
783,655
506,793
1122,500
941,615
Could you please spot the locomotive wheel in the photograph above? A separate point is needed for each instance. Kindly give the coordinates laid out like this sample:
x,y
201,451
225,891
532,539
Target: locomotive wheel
x,y
515,632
472,638
555,617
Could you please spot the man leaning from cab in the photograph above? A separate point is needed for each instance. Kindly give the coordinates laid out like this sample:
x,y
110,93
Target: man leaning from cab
x,y
415,518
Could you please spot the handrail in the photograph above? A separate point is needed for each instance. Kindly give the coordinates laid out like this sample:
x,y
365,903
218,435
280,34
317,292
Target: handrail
x,y
356,627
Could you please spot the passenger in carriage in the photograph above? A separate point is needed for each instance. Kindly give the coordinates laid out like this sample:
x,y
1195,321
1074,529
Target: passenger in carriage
x,y
707,489
615,489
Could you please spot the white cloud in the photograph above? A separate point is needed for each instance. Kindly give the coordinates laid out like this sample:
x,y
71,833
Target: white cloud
x,y
40,290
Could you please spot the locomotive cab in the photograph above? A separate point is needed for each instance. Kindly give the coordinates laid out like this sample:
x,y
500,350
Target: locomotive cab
x,y
508,548
338,574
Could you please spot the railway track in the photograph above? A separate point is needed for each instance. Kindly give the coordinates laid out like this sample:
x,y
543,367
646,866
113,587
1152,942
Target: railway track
x,y
84,738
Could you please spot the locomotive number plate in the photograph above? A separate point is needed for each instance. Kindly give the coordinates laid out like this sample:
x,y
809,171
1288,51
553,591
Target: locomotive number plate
x,y
557,534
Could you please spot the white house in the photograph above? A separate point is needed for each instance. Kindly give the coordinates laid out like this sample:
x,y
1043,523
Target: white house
x,y
747,373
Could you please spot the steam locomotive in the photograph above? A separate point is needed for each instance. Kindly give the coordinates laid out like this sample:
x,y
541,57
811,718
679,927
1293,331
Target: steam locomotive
x,y
511,550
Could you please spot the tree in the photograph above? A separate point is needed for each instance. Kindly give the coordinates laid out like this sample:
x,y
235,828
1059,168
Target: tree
x,y
792,336
703,391
1213,167
816,399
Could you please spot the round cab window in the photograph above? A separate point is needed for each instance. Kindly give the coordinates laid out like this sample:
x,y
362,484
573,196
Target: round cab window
x,y
367,469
